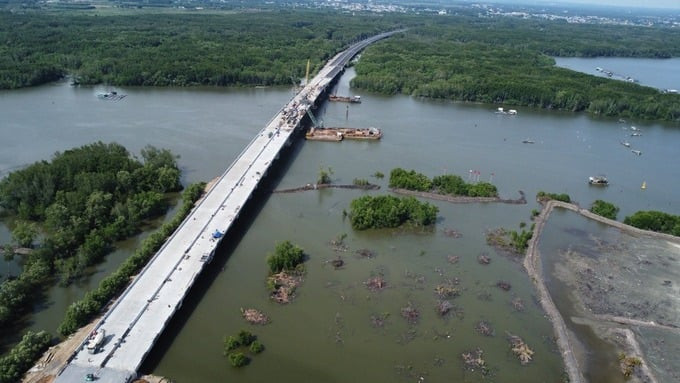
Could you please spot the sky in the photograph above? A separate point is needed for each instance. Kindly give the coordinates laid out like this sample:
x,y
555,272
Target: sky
x,y
675,4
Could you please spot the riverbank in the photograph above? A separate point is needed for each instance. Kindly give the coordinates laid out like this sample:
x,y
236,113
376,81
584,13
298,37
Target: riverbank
x,y
608,326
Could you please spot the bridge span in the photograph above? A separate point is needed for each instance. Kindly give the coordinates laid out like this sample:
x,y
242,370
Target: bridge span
x,y
139,316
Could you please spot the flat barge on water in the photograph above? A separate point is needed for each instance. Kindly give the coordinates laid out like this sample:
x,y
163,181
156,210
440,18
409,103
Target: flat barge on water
x,y
338,134
353,100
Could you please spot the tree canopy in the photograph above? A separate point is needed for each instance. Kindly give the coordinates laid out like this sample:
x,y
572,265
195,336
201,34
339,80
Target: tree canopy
x,y
286,256
387,211
174,49
507,61
84,199
605,209
655,221
444,184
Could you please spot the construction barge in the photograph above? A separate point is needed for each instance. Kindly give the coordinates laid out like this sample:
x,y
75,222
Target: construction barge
x,y
338,134
353,100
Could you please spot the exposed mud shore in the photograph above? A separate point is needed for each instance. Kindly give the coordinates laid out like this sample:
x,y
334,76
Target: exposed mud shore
x,y
615,324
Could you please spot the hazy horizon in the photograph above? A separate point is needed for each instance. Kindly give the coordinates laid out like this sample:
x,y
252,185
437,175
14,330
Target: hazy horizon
x,y
659,4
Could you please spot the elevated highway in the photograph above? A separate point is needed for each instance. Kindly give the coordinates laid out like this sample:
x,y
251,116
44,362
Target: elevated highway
x,y
138,317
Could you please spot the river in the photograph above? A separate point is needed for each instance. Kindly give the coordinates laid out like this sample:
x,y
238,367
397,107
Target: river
x,y
658,73
326,333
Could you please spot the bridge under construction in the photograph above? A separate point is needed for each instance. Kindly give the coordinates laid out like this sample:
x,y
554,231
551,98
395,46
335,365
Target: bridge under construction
x,y
134,322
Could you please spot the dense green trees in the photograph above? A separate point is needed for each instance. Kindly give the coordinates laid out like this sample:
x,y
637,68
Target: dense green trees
x,y
605,209
655,221
445,184
386,211
411,180
81,312
493,60
21,357
173,49
286,256
505,61
85,199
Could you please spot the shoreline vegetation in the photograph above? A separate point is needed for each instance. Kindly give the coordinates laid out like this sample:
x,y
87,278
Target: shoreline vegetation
x,y
71,211
504,61
148,48
79,323
447,185
508,62
86,199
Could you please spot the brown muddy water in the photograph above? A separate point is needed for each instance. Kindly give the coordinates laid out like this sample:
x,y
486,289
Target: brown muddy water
x,y
327,333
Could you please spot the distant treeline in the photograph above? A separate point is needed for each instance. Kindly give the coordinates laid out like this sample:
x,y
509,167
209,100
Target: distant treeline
x,y
499,60
506,61
162,49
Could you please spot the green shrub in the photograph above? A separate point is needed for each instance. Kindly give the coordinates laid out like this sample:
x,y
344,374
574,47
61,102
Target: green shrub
x,y
655,221
22,356
402,179
231,343
245,338
238,359
369,212
543,196
286,257
256,347
604,209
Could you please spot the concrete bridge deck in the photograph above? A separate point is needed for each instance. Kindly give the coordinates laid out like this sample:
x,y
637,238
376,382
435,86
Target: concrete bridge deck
x,y
141,313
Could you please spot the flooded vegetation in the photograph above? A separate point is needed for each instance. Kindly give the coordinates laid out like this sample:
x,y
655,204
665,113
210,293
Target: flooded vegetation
x,y
405,304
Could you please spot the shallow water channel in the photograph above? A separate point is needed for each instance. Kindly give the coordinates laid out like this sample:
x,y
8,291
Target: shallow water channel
x,y
327,334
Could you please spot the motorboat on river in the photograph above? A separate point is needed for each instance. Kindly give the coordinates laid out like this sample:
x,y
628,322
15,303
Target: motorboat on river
x,y
598,180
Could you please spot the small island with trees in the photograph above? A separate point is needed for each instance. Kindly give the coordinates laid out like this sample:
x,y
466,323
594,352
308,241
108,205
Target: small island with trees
x,y
286,270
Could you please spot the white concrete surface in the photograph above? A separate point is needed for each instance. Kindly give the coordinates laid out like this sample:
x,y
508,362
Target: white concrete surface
x,y
139,316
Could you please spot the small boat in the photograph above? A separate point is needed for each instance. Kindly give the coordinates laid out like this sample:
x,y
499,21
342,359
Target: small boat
x,y
644,185
598,180
636,134
635,129
111,96
527,141
512,112
639,153
625,143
